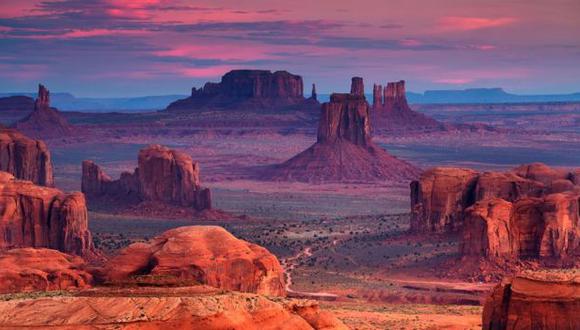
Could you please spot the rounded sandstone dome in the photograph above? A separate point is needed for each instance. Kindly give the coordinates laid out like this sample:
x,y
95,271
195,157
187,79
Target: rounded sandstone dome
x,y
199,254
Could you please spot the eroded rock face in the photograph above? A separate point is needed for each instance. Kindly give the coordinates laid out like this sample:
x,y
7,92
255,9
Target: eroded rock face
x,y
441,196
200,254
391,111
44,121
35,216
344,150
255,88
541,300
162,174
166,308
29,270
25,158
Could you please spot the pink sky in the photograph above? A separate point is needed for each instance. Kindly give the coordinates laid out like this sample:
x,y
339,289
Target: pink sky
x,y
145,47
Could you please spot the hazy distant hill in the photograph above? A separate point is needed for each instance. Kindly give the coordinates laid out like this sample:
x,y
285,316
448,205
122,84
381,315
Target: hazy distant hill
x,y
68,102
477,95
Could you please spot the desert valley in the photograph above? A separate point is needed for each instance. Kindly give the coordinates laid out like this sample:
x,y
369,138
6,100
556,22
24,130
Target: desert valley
x,y
177,164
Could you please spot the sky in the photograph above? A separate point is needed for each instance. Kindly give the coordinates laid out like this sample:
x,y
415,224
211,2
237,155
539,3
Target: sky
x,y
113,48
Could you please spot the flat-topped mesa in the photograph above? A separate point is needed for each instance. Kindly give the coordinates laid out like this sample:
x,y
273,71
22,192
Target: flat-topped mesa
x,y
357,86
246,88
25,158
162,175
44,121
41,217
547,299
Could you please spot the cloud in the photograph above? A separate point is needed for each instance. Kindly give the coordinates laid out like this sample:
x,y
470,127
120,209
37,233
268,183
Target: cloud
x,y
457,23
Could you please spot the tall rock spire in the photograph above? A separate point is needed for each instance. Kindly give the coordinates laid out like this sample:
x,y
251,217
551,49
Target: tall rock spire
x,y
314,95
357,86
43,99
377,96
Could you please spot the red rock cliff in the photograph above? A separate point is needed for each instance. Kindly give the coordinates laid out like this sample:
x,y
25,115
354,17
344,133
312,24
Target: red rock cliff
x,y
204,255
25,158
540,300
162,174
35,216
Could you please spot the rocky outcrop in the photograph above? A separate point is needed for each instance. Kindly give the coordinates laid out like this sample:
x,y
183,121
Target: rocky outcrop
x,y
535,300
538,228
344,150
25,158
29,270
162,175
44,121
165,308
35,216
246,89
391,112
200,255
441,196
313,95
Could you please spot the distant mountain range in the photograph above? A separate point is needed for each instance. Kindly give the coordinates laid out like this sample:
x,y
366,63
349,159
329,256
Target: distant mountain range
x,y
68,102
478,95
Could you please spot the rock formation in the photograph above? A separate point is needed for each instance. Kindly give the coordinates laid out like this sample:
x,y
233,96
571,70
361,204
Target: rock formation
x,y
502,216
313,95
25,158
23,104
538,228
44,121
247,89
391,112
162,175
203,255
28,269
535,300
165,308
440,197
357,87
344,150
35,216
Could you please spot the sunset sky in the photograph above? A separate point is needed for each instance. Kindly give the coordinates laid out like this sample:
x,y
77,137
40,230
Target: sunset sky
x,y
154,47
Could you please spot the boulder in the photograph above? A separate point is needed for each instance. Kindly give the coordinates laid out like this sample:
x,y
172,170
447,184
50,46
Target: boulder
x,y
162,175
199,255
535,300
36,216
29,270
25,158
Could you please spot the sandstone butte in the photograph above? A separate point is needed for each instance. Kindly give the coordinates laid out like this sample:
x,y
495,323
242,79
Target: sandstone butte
x,y
344,150
531,212
162,175
44,121
29,270
535,300
166,308
390,110
248,89
42,217
25,158
199,254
